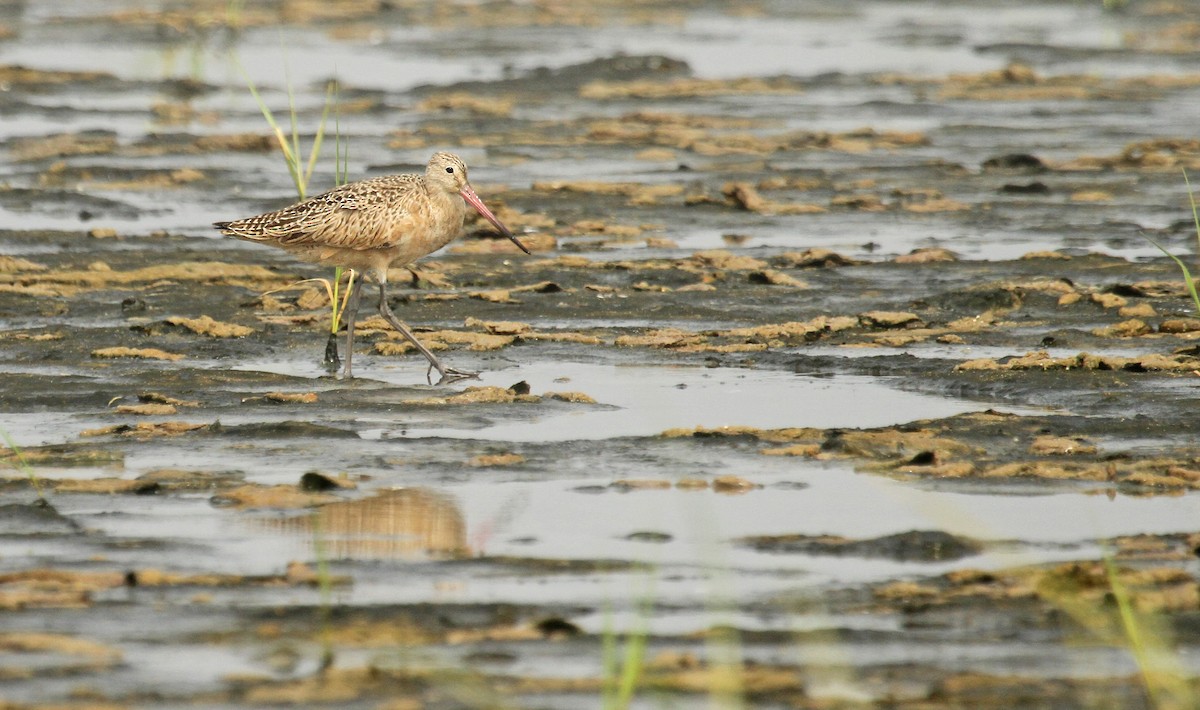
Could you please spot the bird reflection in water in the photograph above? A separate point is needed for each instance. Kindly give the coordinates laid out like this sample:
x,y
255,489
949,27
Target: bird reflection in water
x,y
403,523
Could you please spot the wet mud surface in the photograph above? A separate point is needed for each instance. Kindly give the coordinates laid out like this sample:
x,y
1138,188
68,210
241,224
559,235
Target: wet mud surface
x,y
843,368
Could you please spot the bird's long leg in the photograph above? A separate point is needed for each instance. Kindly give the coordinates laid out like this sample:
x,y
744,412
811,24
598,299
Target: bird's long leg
x,y
447,374
350,314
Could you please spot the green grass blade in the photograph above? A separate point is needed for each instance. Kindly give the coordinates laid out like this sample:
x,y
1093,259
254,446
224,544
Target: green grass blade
x,y
1187,274
233,13
1129,623
341,146
320,137
325,586
335,316
336,307
1192,200
289,156
1196,222
262,105
294,161
623,659
1148,639
632,664
23,465
608,663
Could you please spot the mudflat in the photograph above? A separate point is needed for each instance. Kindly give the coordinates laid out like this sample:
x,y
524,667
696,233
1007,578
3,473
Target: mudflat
x,y
846,371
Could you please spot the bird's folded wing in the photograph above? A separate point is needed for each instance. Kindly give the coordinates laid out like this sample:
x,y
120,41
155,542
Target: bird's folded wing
x,y
343,218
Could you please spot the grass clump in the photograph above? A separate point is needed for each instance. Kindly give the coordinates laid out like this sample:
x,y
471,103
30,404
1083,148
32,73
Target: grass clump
x,y
301,170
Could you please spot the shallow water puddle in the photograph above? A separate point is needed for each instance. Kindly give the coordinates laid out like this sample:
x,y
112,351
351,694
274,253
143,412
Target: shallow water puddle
x,y
645,400
688,537
650,400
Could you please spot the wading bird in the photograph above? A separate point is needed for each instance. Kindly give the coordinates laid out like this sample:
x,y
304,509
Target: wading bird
x,y
371,225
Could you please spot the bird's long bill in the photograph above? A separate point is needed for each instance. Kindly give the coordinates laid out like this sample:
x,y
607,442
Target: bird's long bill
x,y
473,200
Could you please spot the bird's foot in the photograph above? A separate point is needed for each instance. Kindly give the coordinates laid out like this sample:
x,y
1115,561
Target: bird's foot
x,y
331,361
449,375
347,372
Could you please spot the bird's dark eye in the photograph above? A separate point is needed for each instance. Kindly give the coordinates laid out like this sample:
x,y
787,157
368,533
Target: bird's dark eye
x,y
450,169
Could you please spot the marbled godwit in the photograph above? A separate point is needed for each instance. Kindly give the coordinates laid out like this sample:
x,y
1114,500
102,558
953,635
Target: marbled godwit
x,y
374,224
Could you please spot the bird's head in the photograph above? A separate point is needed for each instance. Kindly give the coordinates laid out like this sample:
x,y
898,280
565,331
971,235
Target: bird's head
x,y
449,172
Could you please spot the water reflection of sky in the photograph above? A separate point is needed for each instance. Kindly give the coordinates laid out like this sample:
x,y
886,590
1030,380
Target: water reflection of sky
x,y
857,38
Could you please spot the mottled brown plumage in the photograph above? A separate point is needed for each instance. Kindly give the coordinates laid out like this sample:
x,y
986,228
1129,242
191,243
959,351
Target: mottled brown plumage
x,y
374,224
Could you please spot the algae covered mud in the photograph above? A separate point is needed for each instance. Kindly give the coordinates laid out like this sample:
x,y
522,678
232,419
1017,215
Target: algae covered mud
x,y
843,373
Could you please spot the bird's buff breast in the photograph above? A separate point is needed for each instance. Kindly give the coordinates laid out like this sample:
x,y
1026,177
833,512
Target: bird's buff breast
x,y
441,228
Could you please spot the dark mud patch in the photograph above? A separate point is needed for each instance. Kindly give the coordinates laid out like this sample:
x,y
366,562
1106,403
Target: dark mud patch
x,y
34,519
914,546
